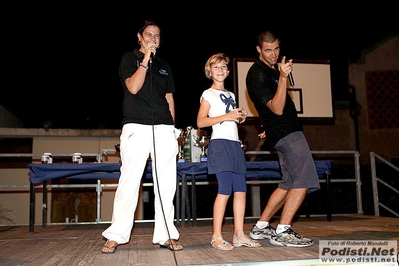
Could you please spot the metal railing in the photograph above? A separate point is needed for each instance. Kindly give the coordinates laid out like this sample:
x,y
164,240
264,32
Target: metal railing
x,y
37,157
375,180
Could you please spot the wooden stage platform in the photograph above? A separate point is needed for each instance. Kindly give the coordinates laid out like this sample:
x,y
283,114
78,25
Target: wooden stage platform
x,y
80,244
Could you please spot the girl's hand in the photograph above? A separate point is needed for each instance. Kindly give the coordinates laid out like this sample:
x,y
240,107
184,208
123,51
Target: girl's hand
x,y
242,115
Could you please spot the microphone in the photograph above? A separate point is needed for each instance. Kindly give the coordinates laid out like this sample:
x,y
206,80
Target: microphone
x,y
152,54
291,78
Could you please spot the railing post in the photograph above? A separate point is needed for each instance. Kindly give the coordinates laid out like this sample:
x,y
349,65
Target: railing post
x,y
98,191
32,207
358,183
374,184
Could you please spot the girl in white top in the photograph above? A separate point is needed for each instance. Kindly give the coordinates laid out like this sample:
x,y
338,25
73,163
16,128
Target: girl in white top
x,y
226,158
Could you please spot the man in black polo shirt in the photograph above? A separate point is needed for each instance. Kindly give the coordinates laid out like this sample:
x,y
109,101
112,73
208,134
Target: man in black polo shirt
x,y
266,82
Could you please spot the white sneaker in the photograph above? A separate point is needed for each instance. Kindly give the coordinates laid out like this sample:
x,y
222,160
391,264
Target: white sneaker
x,y
289,238
257,233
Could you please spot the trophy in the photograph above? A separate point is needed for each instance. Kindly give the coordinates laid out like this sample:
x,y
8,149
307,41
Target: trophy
x,y
181,139
243,146
117,147
187,144
201,140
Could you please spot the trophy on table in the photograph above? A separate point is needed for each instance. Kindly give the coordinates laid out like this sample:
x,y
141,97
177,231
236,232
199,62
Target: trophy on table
x,y
243,146
201,140
181,139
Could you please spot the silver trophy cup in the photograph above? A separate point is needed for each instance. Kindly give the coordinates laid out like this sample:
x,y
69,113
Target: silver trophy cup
x,y
201,140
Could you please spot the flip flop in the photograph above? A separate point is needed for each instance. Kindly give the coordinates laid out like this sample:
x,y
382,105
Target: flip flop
x,y
174,246
109,249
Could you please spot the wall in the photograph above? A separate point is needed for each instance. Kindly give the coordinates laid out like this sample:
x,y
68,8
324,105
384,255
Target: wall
x,y
384,142
7,119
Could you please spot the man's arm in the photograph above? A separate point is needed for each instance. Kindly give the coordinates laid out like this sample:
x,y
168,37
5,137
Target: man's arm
x,y
277,103
171,102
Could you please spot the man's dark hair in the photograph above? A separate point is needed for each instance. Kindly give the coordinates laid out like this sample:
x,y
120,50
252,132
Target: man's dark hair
x,y
267,36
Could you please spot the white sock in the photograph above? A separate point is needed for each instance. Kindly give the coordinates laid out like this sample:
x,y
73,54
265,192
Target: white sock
x,y
282,227
261,224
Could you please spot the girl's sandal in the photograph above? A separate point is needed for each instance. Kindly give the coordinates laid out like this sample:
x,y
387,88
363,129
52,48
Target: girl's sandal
x,y
251,244
224,245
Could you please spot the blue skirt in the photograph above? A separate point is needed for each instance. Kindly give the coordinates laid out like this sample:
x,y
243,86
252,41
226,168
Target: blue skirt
x,y
225,156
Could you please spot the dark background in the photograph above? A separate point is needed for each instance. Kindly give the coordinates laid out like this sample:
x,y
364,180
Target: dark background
x,y
60,62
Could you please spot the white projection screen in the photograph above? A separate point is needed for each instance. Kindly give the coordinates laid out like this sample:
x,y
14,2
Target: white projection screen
x,y
311,94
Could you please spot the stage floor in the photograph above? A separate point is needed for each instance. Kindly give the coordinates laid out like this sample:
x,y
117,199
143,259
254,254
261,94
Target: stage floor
x,y
81,244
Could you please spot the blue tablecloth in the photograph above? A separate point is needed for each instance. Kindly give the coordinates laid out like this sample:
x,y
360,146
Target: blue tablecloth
x,y
264,171
257,169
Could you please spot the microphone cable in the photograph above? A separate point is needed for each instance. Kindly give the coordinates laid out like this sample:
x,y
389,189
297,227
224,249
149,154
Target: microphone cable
x,y
155,178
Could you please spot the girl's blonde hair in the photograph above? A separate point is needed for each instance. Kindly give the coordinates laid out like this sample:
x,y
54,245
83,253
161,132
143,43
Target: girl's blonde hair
x,y
214,59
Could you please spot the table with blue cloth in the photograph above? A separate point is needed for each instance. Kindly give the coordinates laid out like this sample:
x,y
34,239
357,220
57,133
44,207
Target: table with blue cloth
x,y
258,172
